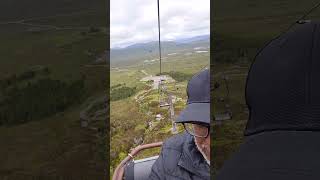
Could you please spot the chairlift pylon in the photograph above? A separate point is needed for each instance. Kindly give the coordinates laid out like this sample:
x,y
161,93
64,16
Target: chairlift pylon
x,y
163,95
227,113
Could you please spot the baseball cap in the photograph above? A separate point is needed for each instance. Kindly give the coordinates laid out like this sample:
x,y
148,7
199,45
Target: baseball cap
x,y
283,96
198,103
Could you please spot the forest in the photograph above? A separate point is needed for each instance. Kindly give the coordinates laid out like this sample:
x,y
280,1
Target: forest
x,y
33,95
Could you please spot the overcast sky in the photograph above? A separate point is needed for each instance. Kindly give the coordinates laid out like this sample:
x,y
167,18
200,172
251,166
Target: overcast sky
x,y
135,21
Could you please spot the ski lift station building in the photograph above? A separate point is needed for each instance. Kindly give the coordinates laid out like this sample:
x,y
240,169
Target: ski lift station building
x,y
157,79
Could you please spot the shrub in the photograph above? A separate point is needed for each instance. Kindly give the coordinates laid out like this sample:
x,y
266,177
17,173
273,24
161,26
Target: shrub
x,y
122,92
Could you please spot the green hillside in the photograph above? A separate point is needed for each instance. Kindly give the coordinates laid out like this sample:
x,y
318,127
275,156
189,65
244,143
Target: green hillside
x,y
11,10
52,73
133,115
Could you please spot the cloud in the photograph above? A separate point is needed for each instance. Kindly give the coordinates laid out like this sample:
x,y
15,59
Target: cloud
x,y
135,21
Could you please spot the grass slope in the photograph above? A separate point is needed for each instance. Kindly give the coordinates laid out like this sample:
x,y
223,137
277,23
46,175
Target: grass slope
x,y
54,147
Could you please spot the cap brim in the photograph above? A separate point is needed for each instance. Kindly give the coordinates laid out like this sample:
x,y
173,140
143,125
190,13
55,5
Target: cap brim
x,y
199,112
275,155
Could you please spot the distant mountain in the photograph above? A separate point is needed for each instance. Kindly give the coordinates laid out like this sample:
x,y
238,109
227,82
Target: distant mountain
x,y
194,39
140,51
205,38
143,45
146,51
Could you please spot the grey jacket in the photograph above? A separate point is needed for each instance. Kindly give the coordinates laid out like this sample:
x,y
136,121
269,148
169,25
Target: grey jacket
x,y
180,159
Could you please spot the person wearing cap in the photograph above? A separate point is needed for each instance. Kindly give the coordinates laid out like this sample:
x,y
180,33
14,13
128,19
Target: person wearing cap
x,y
187,155
283,96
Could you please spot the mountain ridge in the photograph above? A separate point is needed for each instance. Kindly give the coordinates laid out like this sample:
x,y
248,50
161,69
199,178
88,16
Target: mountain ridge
x,y
205,37
150,50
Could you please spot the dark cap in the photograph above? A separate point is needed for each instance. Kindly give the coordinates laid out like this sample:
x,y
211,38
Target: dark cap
x,y
283,84
283,96
198,103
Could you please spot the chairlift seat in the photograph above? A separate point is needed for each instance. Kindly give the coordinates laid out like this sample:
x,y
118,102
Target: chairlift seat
x,y
139,169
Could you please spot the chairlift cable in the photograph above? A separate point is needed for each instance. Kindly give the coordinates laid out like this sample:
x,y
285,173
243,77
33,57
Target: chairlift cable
x,y
160,87
204,67
160,83
310,11
159,35
300,19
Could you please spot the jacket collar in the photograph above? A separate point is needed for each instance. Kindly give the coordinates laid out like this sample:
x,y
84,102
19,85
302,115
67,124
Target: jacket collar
x,y
192,160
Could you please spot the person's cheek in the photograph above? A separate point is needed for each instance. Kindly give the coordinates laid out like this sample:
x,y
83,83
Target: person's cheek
x,y
207,144
207,141
200,141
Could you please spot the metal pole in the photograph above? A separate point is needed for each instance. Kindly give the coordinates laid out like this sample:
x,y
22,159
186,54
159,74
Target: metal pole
x,y
171,111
